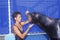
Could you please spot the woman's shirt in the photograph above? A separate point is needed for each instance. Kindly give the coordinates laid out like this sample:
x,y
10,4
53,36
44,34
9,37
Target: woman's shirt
x,y
16,36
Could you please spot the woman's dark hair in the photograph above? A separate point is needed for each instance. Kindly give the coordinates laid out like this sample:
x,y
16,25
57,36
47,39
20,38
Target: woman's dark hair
x,y
15,14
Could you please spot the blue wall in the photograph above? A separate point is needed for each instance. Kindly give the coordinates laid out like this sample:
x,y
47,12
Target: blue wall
x,y
47,7
4,17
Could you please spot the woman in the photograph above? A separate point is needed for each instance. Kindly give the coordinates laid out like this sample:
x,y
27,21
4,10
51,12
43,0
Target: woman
x,y
17,27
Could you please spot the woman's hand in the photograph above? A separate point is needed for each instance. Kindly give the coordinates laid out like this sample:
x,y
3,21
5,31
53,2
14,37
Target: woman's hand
x,y
30,26
29,17
27,12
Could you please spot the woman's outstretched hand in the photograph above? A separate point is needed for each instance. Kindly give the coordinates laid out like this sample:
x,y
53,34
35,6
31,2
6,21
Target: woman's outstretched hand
x,y
30,26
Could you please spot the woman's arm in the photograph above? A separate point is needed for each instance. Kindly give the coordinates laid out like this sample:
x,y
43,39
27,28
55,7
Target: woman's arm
x,y
17,32
27,21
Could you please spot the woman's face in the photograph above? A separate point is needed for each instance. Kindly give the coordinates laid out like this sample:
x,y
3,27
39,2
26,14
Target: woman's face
x,y
18,18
